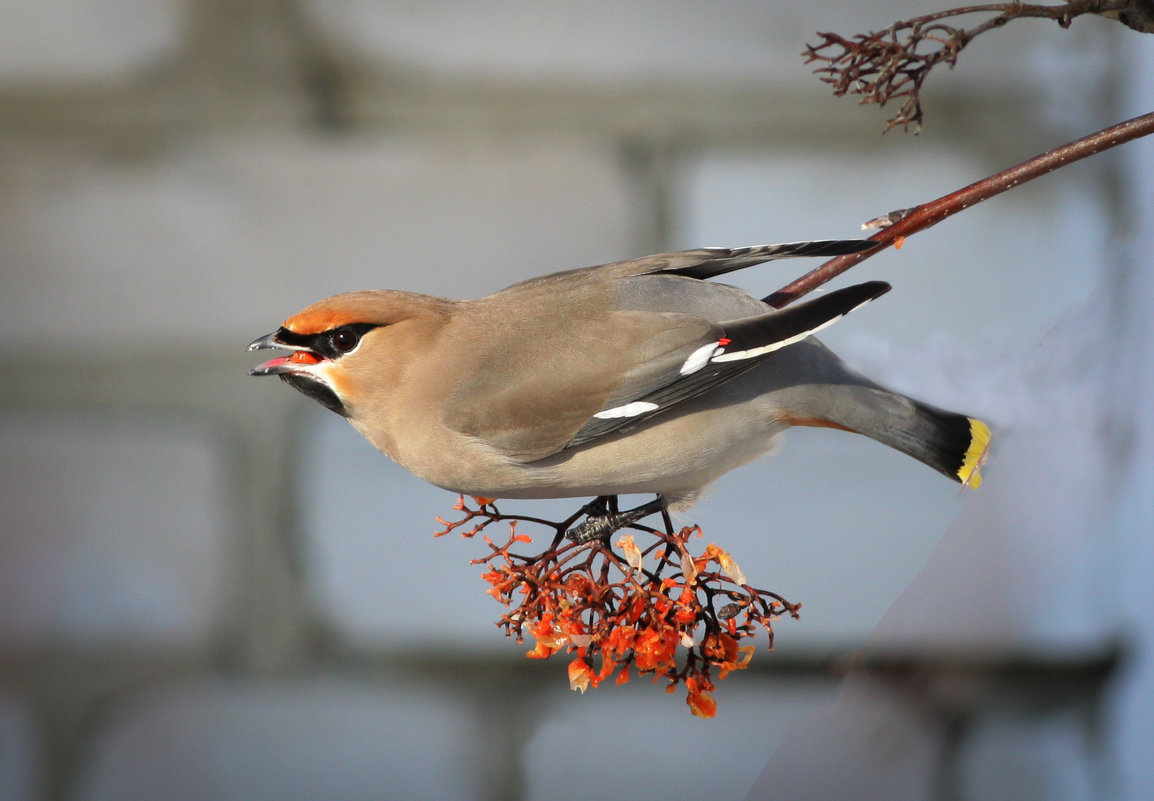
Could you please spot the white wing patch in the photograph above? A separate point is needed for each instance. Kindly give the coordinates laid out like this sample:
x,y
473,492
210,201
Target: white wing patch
x,y
715,352
628,410
699,358
772,346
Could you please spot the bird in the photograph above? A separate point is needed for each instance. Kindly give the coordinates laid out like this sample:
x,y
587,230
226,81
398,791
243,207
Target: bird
x,y
639,376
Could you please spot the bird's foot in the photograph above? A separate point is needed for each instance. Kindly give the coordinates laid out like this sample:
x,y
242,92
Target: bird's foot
x,y
602,521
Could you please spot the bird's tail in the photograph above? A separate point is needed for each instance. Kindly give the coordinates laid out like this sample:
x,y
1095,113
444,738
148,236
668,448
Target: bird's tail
x,y
951,443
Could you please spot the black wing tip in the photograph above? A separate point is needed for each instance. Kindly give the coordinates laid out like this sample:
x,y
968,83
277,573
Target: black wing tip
x,y
799,249
840,247
849,297
712,262
873,289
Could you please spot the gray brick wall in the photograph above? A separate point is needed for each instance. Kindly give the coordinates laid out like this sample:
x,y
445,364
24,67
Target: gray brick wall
x,y
215,590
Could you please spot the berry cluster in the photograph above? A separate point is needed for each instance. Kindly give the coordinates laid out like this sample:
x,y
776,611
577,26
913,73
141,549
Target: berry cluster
x,y
655,608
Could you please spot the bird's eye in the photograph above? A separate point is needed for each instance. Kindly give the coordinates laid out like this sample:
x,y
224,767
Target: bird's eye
x,y
344,339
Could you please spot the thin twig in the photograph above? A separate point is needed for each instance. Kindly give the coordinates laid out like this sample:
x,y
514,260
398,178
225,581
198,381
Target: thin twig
x,y
893,63
928,214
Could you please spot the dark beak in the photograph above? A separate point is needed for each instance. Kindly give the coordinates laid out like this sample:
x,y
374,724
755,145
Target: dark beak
x,y
267,341
280,364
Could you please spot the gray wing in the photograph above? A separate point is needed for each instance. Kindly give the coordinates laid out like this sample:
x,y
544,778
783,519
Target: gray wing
x,y
726,351
537,384
702,263
639,338
710,262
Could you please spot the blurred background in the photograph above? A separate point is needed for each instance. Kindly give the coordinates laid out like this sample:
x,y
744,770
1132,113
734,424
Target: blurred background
x,y
212,588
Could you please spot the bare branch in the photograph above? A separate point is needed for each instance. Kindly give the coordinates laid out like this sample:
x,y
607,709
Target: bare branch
x,y
928,214
893,63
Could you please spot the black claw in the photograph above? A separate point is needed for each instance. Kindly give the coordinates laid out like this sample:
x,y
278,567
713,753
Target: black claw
x,y
600,523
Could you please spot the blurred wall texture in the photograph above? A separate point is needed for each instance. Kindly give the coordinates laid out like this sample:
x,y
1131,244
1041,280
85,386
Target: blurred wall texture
x,y
213,589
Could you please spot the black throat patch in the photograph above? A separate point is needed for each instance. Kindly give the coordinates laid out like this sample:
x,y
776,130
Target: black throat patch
x,y
307,385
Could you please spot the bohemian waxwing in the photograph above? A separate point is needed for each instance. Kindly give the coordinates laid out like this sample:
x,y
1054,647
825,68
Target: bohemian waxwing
x,y
635,377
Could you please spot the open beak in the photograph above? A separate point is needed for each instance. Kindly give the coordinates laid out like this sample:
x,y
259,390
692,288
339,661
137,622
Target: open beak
x,y
299,360
268,341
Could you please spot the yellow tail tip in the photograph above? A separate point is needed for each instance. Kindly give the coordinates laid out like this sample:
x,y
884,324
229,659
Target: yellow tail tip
x,y
970,472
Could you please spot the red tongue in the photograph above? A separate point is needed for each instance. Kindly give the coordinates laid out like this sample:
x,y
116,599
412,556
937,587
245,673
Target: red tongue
x,y
277,362
297,357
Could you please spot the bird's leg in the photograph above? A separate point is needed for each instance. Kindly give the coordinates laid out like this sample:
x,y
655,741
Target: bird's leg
x,y
602,519
665,518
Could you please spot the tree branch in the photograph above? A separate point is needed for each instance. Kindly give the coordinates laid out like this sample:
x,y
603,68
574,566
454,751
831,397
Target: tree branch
x,y
893,63
928,214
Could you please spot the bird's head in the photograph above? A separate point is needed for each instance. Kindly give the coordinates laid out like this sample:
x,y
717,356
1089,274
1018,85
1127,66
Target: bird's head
x,y
339,347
